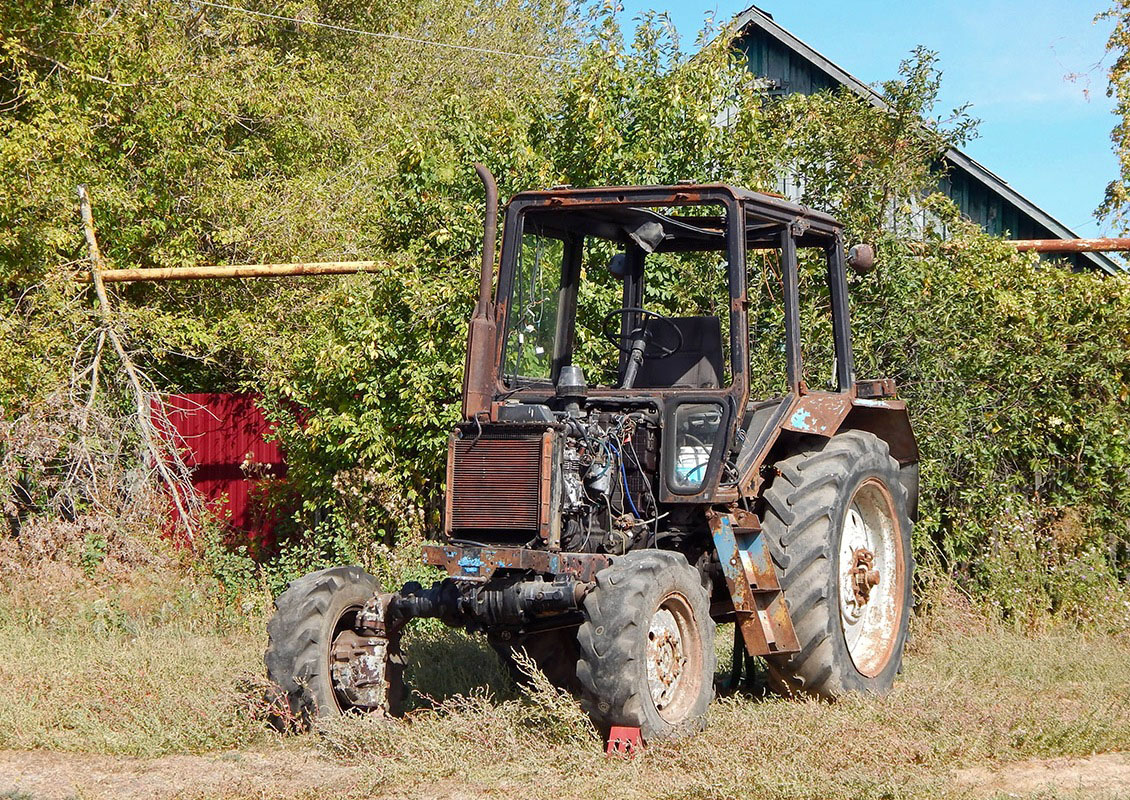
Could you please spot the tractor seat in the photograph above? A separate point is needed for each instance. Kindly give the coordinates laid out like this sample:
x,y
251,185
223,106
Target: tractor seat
x,y
696,365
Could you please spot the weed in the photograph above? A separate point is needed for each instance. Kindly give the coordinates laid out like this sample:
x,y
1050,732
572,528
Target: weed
x,y
94,549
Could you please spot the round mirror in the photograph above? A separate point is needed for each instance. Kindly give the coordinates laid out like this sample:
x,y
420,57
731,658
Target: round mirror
x,y
861,258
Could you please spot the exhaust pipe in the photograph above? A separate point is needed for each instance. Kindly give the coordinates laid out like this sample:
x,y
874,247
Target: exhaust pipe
x,y
490,234
482,333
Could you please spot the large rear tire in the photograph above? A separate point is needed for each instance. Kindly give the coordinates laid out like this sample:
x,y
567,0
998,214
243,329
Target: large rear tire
x,y
838,528
309,616
647,646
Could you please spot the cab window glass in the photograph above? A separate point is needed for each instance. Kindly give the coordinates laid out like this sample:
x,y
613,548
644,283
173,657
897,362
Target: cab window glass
x,y
532,320
817,345
768,365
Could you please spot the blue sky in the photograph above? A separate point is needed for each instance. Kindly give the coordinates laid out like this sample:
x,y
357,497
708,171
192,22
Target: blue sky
x,y
1044,133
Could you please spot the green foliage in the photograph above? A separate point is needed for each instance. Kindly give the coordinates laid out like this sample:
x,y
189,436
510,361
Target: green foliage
x,y
231,576
209,137
94,548
1017,374
1116,204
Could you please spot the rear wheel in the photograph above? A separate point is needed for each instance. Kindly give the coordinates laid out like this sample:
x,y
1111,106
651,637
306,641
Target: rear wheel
x,y
838,528
647,646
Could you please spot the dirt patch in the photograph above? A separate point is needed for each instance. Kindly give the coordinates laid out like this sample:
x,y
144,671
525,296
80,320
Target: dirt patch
x,y
44,775
56,776
1105,775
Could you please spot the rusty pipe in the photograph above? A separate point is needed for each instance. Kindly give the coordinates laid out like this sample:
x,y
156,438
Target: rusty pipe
x,y
490,235
1110,245
236,271
482,332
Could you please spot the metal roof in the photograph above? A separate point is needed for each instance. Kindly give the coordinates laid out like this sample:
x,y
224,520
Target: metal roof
x,y
755,17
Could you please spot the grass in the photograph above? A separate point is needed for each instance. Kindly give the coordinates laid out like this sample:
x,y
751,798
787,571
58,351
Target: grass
x,y
160,679
139,670
972,694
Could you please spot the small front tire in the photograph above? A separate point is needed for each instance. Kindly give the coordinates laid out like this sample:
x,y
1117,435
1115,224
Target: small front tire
x,y
647,646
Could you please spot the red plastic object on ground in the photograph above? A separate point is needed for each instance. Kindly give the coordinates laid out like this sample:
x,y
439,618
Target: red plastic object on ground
x,y
624,742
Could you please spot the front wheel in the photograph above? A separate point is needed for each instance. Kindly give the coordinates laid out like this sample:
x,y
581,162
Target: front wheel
x,y
647,646
837,525
315,655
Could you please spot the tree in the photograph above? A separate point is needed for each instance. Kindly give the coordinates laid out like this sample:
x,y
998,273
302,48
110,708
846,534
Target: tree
x,y
1116,204
214,136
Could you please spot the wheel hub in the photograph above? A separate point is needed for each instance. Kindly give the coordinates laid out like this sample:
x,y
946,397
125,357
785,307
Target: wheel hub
x,y
665,658
358,669
863,576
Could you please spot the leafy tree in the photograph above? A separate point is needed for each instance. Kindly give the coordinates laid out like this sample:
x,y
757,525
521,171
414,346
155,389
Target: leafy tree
x,y
211,137
1116,204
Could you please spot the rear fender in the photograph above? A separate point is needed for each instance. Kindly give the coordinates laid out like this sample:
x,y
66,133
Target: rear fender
x,y
821,415
889,420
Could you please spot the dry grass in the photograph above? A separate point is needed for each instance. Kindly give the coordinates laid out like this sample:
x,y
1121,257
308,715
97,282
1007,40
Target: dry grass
x,y
129,668
974,695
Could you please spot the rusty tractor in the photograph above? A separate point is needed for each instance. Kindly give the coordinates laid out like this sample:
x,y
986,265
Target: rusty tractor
x,y
621,482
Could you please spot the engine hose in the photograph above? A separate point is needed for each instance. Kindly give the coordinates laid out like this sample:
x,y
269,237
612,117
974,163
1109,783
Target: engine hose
x,y
624,474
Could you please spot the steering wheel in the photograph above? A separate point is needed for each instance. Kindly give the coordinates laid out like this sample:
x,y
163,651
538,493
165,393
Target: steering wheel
x,y
642,331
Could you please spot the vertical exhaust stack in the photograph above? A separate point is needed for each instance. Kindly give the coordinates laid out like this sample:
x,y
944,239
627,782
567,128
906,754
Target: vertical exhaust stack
x,y
482,333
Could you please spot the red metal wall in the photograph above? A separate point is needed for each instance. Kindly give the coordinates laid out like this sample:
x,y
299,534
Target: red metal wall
x,y
225,444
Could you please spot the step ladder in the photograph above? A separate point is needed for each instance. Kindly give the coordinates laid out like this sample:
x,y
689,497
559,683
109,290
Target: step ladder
x,y
758,600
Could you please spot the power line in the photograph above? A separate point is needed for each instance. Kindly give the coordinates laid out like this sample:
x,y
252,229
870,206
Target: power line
x,y
396,36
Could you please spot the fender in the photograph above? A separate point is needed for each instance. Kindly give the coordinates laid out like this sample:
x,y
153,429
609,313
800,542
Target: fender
x,y
824,414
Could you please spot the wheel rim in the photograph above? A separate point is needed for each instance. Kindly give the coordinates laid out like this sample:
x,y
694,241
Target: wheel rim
x,y
673,658
871,577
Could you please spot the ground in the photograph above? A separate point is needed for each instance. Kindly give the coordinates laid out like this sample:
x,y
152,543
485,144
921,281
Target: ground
x,y
108,695
285,772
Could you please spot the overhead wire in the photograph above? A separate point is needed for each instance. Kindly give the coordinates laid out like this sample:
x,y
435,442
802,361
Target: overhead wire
x,y
375,34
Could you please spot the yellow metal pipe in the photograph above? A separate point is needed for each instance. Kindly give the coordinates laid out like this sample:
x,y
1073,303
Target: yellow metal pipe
x,y
235,271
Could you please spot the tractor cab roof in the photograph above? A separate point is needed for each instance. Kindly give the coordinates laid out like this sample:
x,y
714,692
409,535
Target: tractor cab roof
x,y
625,213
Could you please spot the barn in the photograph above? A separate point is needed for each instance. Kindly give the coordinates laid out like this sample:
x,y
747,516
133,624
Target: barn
x,y
787,64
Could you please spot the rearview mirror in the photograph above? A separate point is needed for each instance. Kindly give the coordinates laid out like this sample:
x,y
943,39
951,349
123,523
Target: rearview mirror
x,y
861,258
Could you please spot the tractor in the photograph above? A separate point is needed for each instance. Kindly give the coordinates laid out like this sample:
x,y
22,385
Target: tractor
x,y
621,482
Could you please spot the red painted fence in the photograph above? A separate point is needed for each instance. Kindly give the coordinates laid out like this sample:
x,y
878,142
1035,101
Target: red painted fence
x,y
225,438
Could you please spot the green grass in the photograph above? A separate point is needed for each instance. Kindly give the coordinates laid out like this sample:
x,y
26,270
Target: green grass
x,y
138,670
973,694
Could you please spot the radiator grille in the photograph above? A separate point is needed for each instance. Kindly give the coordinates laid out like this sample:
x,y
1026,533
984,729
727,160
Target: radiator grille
x,y
495,483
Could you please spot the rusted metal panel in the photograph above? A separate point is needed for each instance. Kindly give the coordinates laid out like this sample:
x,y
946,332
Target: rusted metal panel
x,y
497,483
772,207
875,389
482,562
754,589
889,420
818,413
483,341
